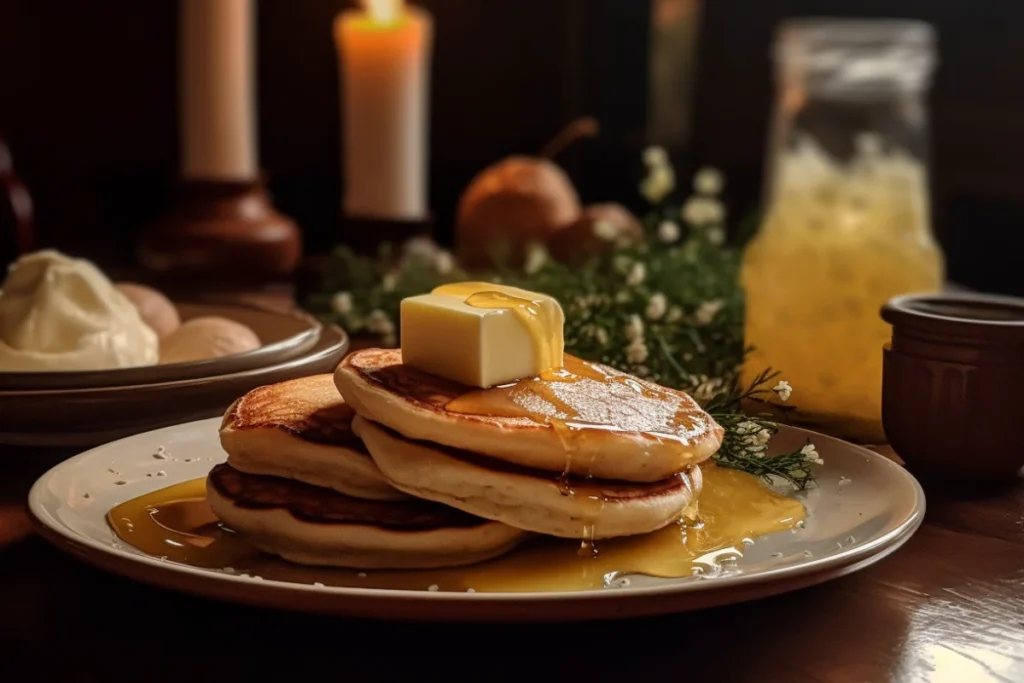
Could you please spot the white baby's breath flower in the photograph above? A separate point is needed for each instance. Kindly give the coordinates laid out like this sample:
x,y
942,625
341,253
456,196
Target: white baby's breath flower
x,y
668,231
601,335
811,453
378,322
706,388
703,211
762,437
716,235
658,184
783,390
389,282
675,314
754,435
657,306
636,274
634,328
536,258
655,156
708,181
420,249
606,231
637,351
444,262
341,303
707,311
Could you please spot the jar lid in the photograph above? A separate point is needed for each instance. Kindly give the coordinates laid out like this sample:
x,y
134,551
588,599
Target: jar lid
x,y
842,31
958,318
850,55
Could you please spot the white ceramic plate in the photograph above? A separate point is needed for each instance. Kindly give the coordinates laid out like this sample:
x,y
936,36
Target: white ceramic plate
x,y
863,508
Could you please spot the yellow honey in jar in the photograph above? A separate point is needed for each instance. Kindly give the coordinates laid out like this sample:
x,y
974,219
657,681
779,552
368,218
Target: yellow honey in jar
x,y
837,242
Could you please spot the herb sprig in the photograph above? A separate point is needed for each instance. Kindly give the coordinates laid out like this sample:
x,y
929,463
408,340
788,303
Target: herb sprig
x,y
745,445
669,310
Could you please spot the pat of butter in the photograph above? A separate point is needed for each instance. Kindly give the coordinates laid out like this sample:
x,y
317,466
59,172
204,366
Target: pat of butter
x,y
482,334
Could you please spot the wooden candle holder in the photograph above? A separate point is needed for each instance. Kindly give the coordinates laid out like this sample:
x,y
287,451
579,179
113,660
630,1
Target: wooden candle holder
x,y
222,233
365,235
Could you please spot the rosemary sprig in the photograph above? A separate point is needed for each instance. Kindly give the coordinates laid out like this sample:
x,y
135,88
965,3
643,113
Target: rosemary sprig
x,y
745,444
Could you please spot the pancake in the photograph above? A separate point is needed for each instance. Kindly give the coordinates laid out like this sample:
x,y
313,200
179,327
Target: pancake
x,y
587,419
532,500
302,429
316,526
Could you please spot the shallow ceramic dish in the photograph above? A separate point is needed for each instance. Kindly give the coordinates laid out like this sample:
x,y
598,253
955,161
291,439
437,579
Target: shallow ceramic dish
x,y
86,417
284,336
864,508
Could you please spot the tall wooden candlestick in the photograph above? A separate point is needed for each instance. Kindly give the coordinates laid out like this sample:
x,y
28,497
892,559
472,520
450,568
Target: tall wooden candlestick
x,y
223,226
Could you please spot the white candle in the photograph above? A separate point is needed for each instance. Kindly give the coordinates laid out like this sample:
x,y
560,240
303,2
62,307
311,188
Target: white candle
x,y
385,70
218,92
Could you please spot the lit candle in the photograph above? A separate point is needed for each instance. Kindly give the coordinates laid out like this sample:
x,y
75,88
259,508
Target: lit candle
x,y
218,93
385,67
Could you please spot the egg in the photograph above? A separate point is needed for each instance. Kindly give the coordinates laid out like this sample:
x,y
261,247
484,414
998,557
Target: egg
x,y
156,310
205,338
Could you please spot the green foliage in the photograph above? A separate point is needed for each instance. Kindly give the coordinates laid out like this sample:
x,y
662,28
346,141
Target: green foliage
x,y
669,310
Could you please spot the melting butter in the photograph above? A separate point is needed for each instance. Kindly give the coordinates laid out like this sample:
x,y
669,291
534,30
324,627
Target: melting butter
x,y
177,524
540,315
482,334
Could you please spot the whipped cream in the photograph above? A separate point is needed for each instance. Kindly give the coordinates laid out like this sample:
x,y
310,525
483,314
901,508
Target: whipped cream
x,y
61,313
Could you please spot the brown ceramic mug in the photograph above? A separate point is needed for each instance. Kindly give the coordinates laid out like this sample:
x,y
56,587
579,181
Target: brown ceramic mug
x,y
951,389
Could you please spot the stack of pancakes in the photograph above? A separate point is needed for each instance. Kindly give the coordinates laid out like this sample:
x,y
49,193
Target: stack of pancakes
x,y
385,466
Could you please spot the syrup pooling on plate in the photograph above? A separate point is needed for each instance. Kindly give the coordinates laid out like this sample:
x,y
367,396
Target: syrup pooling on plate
x,y
176,523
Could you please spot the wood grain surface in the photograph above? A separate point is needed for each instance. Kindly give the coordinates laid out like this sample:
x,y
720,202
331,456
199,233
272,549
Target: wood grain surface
x,y
947,607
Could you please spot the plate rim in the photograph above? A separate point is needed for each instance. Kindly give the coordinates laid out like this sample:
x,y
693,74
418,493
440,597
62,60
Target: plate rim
x,y
198,369
343,340
822,568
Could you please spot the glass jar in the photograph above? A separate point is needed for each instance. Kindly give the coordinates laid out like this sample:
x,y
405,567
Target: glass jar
x,y
847,222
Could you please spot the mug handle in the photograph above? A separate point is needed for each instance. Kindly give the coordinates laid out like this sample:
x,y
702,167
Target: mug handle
x,y
19,200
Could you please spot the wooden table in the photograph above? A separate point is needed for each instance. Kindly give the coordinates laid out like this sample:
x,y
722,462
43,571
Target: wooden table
x,y
947,607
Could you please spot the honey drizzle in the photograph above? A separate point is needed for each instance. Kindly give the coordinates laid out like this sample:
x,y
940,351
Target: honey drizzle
x,y
176,523
515,399
526,398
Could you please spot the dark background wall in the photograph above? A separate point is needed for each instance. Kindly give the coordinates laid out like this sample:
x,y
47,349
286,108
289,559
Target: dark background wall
x,y
88,105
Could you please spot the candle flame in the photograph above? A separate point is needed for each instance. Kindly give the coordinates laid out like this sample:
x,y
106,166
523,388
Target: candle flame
x,y
383,11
